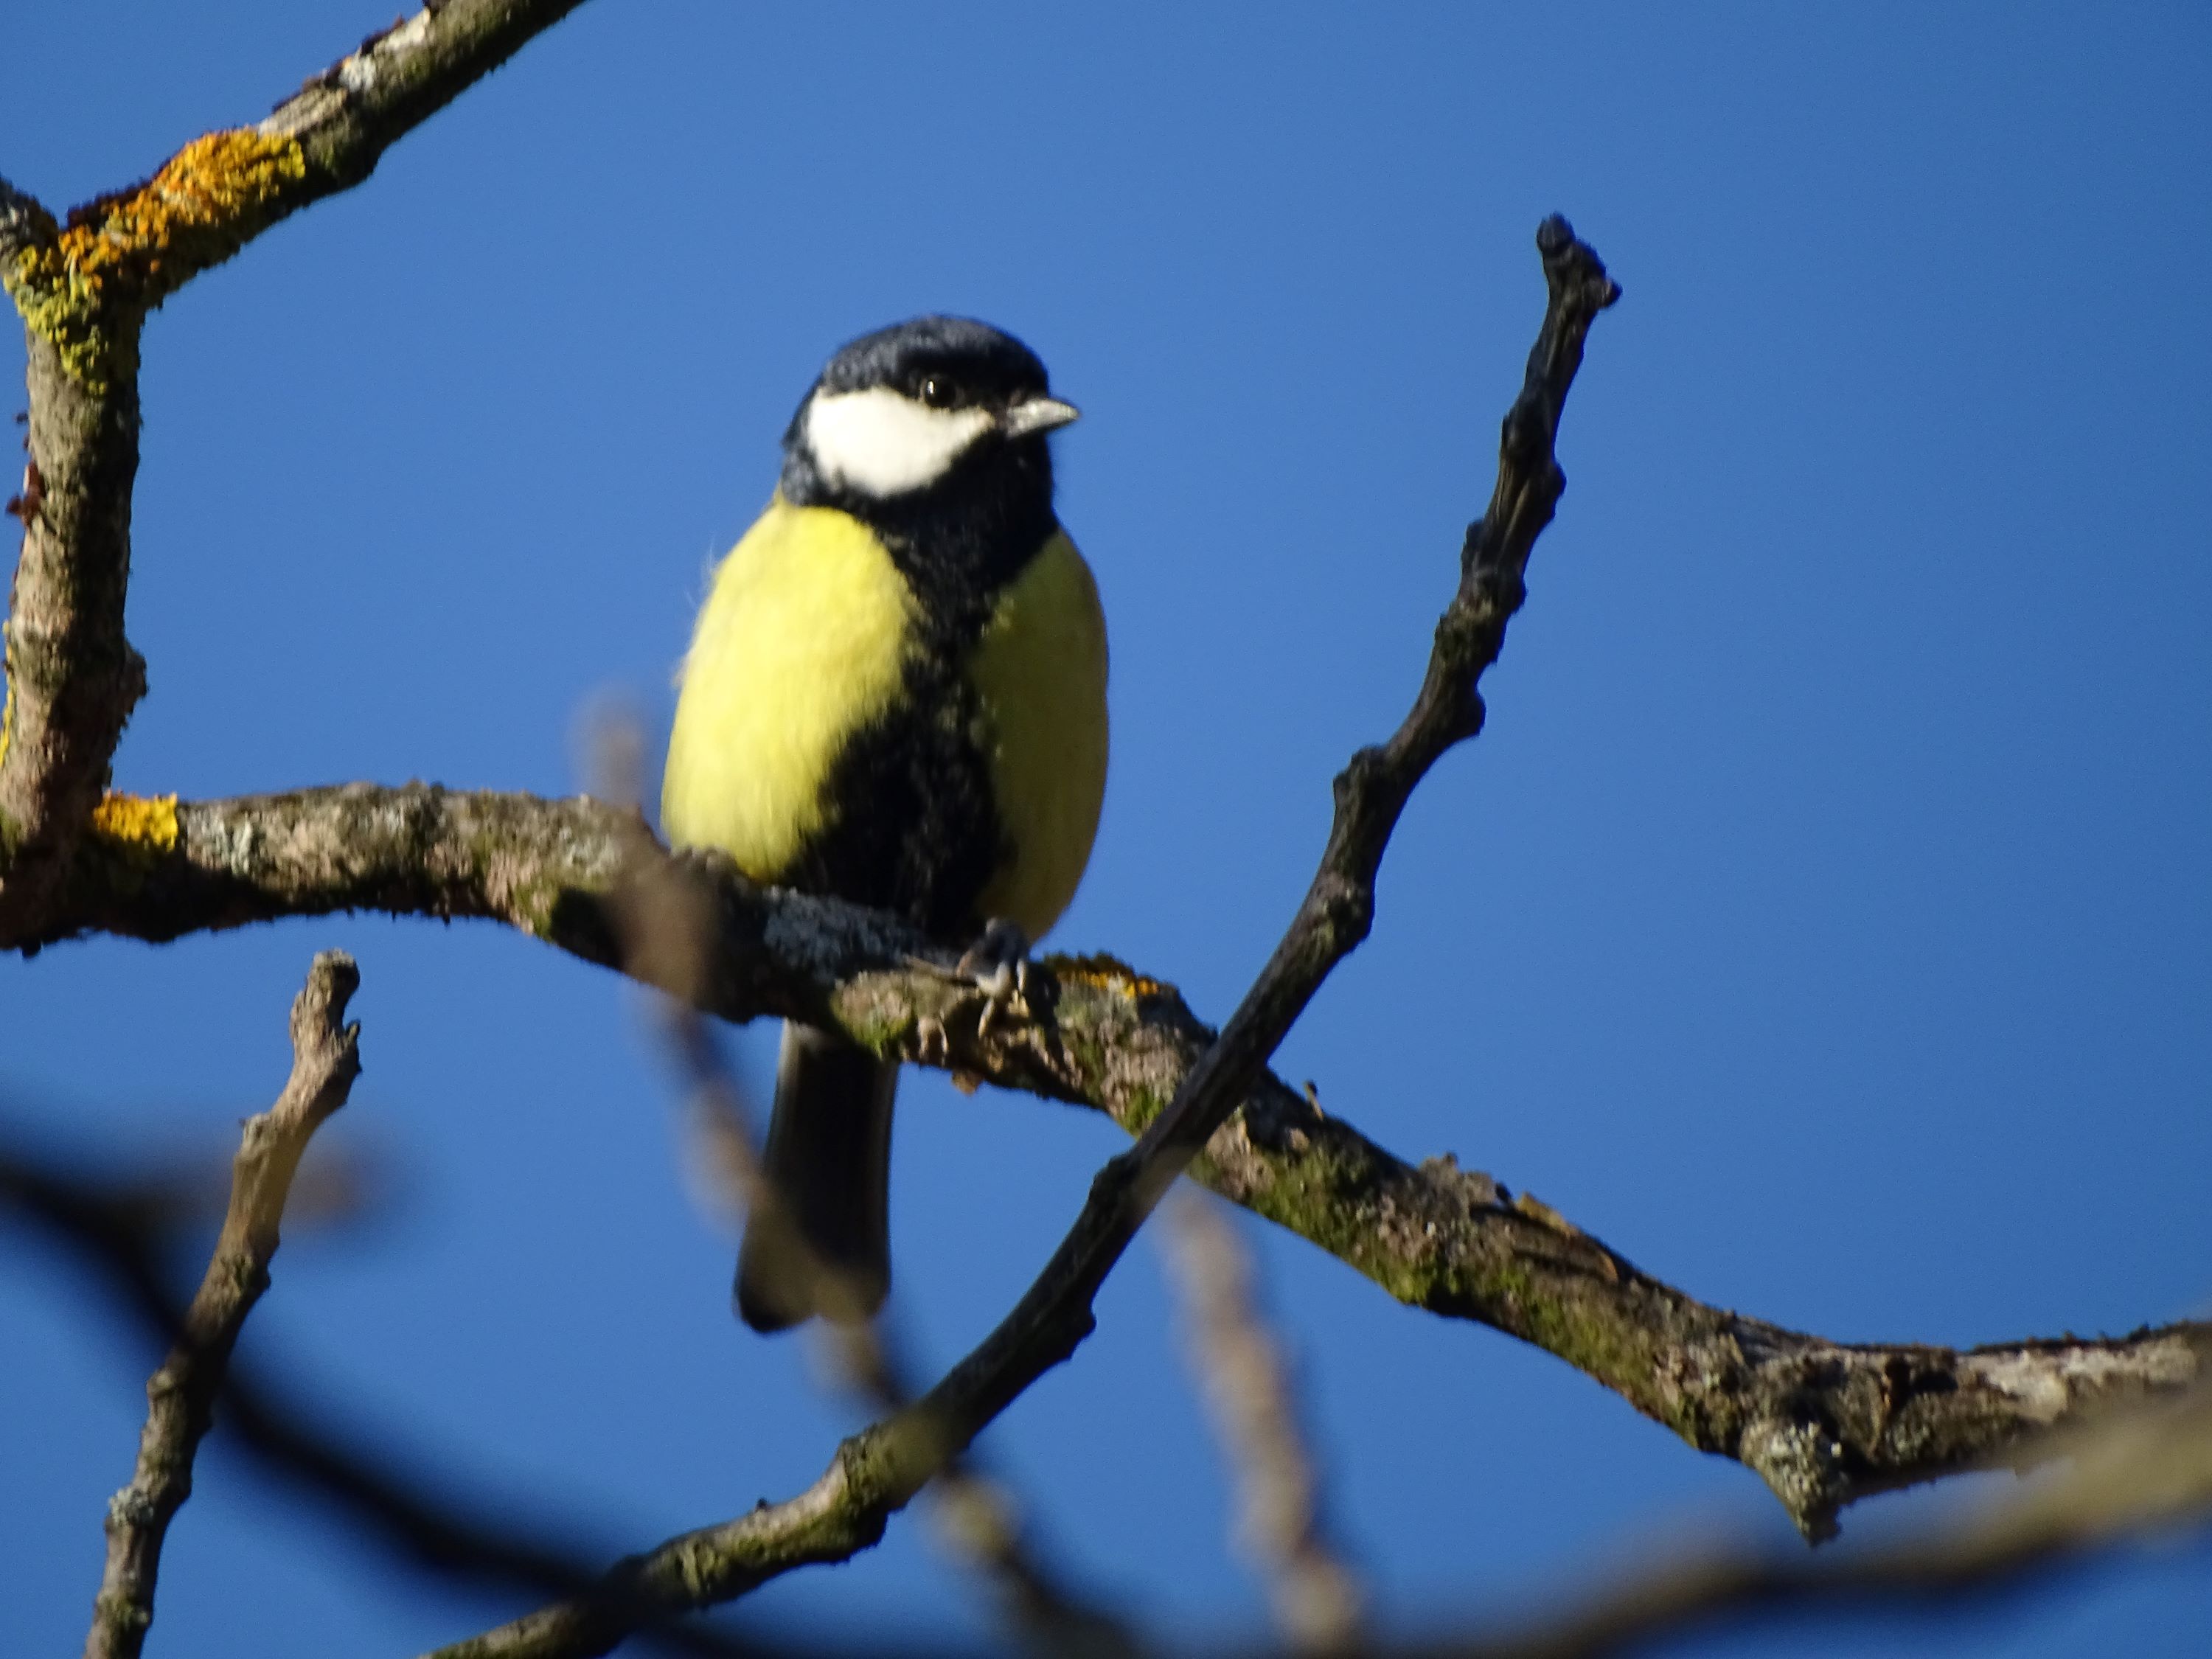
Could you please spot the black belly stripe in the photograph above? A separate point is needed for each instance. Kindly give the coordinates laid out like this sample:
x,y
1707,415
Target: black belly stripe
x,y
912,825
911,822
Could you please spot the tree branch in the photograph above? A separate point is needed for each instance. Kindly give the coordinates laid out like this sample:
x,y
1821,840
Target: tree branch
x,y
83,290
1824,1423
662,919
181,1397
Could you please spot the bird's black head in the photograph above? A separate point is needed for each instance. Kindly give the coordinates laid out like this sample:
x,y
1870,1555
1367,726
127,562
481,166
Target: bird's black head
x,y
928,422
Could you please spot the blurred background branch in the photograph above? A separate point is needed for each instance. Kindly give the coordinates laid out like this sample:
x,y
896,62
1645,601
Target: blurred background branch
x,y
125,1230
181,1397
1246,1374
2142,1474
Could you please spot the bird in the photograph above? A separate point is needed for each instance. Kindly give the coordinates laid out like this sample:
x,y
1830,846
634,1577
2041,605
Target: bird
x,y
894,695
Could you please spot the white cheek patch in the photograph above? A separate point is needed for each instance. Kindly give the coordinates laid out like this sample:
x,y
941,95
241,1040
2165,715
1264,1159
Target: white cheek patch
x,y
881,444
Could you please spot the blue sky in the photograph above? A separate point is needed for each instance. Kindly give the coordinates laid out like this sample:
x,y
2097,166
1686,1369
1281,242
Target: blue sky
x,y
1824,919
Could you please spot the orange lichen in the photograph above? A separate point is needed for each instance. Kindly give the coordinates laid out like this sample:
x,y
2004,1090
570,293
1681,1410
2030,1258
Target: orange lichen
x,y
1107,973
143,821
121,254
1537,1210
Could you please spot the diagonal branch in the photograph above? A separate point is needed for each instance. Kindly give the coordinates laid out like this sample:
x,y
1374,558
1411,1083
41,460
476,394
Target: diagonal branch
x,y
84,288
181,1397
878,1472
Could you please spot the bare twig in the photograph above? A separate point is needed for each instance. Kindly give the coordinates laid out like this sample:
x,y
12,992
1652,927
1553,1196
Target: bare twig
x,y
1246,1378
84,288
878,1472
181,1397
112,1227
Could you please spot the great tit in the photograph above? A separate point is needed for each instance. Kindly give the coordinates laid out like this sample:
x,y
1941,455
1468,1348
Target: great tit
x,y
895,693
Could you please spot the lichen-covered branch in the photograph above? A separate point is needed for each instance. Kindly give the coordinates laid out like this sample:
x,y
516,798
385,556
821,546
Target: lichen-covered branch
x,y
84,288
1823,1422
181,1397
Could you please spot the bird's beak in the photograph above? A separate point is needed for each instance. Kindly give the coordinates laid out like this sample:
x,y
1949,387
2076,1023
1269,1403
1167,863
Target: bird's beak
x,y
1037,415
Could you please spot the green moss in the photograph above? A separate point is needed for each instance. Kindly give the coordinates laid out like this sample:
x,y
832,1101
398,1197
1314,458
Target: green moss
x,y
1144,1105
883,1034
1327,1195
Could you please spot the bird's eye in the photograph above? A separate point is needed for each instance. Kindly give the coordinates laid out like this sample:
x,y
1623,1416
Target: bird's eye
x,y
941,391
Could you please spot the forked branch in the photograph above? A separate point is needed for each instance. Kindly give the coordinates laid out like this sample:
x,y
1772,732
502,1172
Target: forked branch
x,y
84,288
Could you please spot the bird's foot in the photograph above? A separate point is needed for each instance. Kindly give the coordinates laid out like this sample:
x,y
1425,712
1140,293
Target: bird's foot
x,y
998,965
932,1044
998,972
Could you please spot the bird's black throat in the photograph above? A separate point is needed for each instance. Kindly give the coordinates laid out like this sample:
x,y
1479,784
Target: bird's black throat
x,y
957,542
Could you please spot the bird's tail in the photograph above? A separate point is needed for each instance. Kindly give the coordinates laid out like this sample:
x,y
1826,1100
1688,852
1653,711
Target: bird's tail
x,y
829,1157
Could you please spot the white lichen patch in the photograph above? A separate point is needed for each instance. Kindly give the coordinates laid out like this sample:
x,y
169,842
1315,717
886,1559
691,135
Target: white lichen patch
x,y
362,71
236,843
2045,1382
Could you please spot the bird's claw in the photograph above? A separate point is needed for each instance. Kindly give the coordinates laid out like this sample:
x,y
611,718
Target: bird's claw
x,y
932,1045
998,965
997,968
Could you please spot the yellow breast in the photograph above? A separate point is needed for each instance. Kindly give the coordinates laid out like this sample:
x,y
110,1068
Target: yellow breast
x,y
1041,669
802,641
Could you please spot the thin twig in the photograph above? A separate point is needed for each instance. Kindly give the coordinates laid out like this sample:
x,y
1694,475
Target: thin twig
x,y
181,1397
1245,1376
878,1472
111,1227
